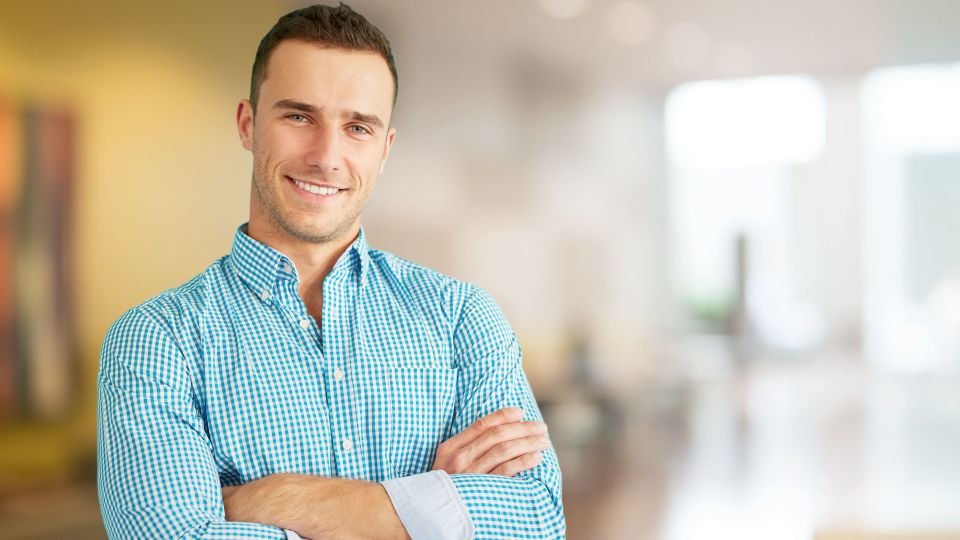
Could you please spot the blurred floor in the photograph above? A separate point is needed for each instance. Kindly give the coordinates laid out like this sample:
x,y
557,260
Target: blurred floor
x,y
70,512
797,448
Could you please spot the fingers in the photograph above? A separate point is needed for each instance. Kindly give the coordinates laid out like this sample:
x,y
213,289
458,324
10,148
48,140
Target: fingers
x,y
520,464
499,440
510,450
496,418
502,433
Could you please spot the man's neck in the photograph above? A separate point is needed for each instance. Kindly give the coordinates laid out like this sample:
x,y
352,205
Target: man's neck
x,y
313,261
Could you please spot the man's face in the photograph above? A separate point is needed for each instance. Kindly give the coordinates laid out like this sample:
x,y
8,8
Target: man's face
x,y
319,139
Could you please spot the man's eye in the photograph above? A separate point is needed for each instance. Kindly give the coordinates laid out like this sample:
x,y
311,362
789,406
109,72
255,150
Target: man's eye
x,y
297,117
358,130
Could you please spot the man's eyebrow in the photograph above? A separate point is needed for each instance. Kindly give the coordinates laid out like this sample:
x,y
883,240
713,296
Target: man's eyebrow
x,y
295,105
371,119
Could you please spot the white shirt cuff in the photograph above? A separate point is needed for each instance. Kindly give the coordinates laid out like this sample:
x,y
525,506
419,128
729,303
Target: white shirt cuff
x,y
292,535
429,506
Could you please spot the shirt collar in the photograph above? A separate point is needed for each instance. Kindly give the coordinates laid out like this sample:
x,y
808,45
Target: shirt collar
x,y
261,266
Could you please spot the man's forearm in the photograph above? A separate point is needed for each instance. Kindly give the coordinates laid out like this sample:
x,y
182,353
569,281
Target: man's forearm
x,y
316,507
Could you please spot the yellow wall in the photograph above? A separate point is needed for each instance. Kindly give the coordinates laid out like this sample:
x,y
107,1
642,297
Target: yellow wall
x,y
161,178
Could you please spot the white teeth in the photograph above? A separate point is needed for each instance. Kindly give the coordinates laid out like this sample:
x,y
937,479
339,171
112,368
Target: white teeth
x,y
315,189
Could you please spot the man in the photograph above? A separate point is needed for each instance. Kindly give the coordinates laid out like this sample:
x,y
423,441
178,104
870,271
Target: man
x,y
306,383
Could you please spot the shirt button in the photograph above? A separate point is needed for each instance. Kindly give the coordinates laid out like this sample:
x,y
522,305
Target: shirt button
x,y
265,295
337,374
304,323
347,444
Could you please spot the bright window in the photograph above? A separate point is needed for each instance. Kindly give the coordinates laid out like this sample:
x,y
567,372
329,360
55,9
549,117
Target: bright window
x,y
732,146
911,196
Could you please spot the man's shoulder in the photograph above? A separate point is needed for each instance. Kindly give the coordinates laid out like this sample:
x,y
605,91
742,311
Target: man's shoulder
x,y
459,299
409,273
419,283
176,309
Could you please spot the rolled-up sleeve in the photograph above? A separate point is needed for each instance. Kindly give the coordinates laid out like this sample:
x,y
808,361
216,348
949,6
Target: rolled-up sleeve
x,y
430,507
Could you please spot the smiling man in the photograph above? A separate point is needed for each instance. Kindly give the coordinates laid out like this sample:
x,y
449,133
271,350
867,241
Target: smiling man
x,y
307,384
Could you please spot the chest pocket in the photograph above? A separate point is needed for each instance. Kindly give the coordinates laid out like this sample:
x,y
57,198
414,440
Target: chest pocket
x,y
422,402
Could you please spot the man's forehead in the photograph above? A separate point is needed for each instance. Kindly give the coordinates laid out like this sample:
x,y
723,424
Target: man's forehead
x,y
303,67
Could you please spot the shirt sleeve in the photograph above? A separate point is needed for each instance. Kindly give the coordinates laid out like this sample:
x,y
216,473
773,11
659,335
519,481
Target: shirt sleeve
x,y
429,506
156,476
529,504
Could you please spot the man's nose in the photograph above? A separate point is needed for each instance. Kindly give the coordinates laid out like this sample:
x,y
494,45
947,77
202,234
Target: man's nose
x,y
324,151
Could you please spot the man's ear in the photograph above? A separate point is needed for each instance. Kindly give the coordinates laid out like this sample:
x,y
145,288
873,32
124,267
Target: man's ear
x,y
245,123
388,144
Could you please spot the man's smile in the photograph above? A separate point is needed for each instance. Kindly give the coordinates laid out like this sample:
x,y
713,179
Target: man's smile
x,y
315,190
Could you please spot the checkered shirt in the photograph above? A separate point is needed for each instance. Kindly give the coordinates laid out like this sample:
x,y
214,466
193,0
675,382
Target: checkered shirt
x,y
227,379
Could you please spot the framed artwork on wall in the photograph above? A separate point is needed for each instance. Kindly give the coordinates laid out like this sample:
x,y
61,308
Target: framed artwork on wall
x,y
38,367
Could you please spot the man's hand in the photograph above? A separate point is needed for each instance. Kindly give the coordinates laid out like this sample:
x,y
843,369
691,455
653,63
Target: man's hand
x,y
498,443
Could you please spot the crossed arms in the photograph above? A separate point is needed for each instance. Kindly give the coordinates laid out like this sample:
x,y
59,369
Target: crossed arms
x,y
319,507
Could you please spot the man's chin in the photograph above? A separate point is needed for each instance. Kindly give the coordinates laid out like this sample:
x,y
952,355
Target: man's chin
x,y
316,235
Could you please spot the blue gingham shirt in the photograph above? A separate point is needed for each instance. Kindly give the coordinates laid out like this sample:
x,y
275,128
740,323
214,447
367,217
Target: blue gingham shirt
x,y
227,379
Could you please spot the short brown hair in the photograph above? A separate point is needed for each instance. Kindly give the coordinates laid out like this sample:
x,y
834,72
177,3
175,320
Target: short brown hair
x,y
335,27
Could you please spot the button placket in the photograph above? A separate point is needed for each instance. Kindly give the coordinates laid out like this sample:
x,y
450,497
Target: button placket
x,y
339,303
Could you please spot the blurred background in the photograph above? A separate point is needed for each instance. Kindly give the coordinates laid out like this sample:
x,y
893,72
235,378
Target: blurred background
x,y
725,231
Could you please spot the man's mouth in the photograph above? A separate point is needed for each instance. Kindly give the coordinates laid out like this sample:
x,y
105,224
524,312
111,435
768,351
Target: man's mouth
x,y
315,189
